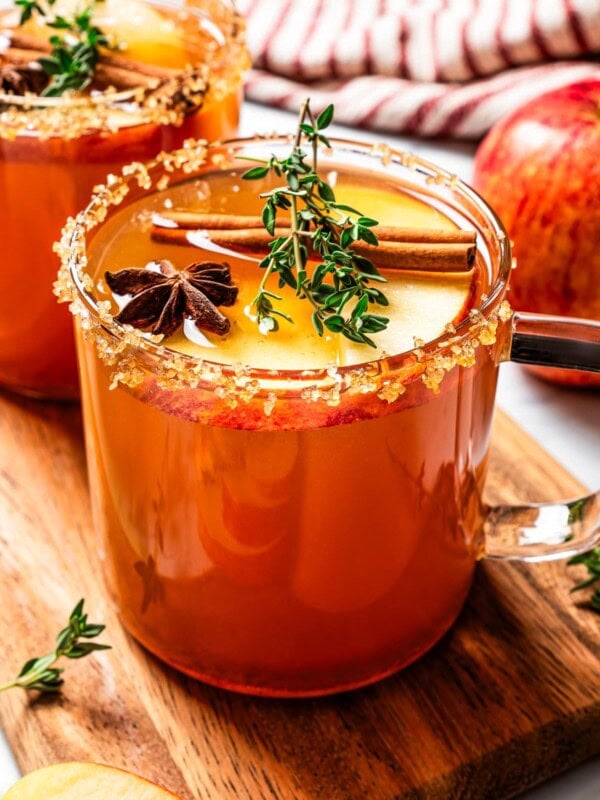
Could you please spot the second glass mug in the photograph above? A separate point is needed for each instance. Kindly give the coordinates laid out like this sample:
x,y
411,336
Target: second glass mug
x,y
297,533
52,154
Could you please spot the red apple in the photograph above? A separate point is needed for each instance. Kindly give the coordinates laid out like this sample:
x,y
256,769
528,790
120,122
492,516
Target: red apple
x,y
539,169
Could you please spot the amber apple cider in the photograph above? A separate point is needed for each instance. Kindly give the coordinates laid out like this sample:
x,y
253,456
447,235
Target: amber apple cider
x,y
46,176
299,545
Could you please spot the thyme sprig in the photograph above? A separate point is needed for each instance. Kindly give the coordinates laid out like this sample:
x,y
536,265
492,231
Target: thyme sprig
x,y
340,286
590,560
41,674
75,51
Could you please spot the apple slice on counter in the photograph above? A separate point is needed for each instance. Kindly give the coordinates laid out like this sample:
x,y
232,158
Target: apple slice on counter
x,y
85,781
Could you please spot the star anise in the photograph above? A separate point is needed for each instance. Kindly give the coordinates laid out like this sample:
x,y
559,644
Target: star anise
x,y
22,80
162,299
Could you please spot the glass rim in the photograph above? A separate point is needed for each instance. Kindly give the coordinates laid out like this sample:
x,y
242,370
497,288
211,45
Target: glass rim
x,y
487,311
108,97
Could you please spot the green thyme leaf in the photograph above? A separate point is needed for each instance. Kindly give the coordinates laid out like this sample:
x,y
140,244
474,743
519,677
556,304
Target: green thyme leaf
x,y
591,561
325,118
339,287
74,56
255,173
41,674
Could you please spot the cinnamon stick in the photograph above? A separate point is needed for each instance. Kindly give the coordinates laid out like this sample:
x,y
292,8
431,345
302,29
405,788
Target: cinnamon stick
x,y
423,256
16,56
428,256
198,220
106,75
111,70
27,41
109,59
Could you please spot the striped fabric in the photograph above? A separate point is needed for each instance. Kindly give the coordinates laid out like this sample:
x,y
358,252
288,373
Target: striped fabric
x,y
423,67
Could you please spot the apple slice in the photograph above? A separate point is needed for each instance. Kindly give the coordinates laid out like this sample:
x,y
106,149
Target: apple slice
x,y
421,305
147,35
85,781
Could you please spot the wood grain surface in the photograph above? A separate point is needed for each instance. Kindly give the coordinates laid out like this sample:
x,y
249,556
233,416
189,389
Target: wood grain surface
x,y
509,698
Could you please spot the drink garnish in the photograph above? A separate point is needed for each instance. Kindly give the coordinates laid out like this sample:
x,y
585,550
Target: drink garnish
x,y
591,561
339,287
22,80
163,296
75,46
81,56
398,248
319,248
41,674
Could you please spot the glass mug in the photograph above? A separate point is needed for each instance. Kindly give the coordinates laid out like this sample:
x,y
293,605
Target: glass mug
x,y
53,153
302,532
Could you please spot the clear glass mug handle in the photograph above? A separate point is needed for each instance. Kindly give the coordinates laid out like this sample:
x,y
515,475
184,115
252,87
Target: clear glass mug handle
x,y
545,531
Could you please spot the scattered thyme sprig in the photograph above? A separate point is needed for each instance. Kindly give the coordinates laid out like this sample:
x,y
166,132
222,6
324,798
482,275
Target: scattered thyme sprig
x,y
339,287
590,560
41,674
75,51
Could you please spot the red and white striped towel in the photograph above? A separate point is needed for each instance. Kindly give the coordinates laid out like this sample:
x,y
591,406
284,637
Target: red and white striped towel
x,y
424,67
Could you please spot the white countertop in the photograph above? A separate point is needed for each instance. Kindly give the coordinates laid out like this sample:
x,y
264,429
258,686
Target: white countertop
x,y
566,421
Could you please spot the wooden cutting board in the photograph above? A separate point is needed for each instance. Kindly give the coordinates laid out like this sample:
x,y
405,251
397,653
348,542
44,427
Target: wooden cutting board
x,y
509,698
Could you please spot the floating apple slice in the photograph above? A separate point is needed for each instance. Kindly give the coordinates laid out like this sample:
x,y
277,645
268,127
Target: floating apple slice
x,y
146,35
421,305
78,780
